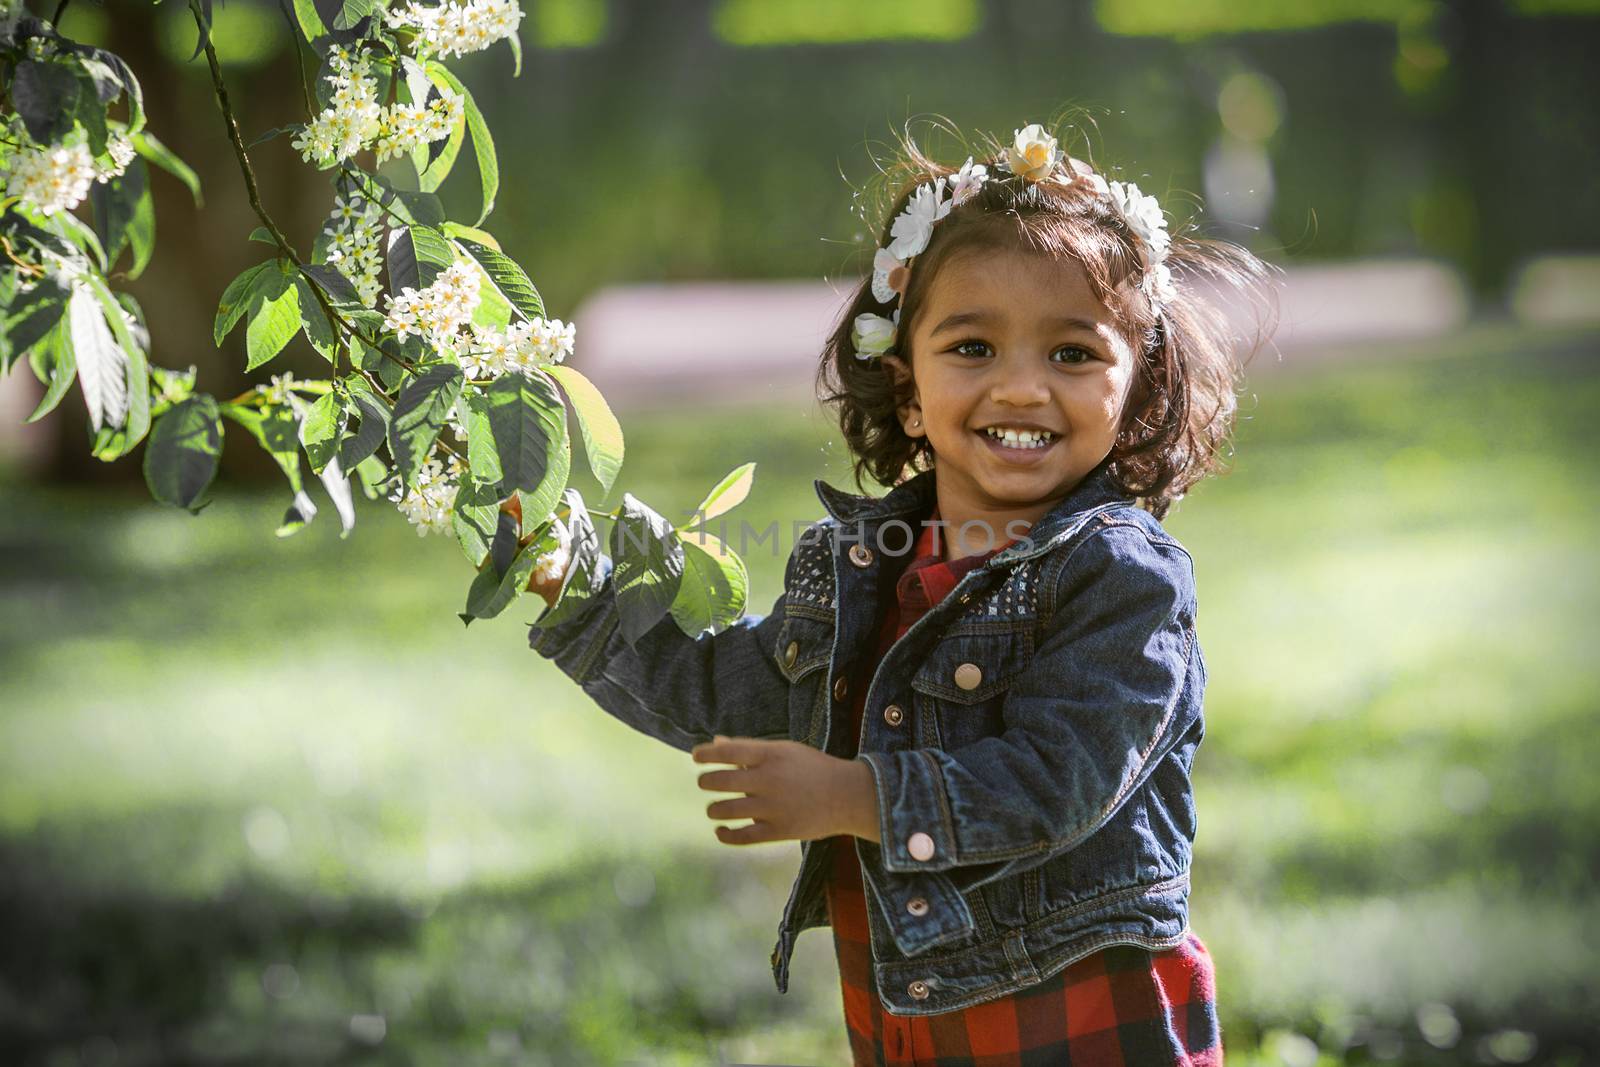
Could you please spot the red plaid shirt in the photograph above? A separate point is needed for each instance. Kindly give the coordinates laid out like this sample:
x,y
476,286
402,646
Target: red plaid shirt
x,y
1121,1005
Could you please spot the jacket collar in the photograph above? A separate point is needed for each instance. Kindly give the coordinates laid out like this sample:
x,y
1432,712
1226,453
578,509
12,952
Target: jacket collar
x,y
915,497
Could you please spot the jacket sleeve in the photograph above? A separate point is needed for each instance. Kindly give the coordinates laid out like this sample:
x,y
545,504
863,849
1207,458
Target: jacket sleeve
x,y
1116,680
680,690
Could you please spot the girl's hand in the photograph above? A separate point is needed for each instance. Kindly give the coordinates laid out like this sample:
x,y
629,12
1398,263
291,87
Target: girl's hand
x,y
550,573
791,790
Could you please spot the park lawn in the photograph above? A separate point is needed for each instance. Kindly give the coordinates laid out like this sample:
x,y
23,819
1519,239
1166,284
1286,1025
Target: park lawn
x,y
268,800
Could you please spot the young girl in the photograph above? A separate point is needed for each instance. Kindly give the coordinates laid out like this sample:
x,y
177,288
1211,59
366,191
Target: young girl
x,y
977,700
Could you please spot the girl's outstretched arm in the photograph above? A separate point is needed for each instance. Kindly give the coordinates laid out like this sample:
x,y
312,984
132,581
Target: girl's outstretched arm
x,y
681,690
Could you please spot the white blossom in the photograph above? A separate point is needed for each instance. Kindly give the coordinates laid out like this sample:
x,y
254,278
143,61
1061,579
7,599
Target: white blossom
x,y
872,335
1032,154
430,502
913,227
52,177
1144,217
964,184
883,264
438,311
355,226
453,29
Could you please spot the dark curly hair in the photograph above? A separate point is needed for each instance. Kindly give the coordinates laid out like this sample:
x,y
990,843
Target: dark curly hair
x,y
1181,411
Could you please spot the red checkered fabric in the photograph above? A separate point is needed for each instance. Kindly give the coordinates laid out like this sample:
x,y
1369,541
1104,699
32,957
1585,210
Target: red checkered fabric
x,y
1120,1006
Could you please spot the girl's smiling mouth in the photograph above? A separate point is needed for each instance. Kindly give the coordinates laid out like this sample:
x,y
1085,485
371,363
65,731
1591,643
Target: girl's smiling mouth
x,y
1018,444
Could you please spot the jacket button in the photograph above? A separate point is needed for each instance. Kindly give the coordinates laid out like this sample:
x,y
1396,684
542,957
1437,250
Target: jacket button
x,y
920,845
791,653
892,715
918,990
840,688
968,676
917,906
860,555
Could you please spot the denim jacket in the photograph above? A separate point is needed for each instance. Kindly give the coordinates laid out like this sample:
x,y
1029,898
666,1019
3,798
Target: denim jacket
x,y
1030,737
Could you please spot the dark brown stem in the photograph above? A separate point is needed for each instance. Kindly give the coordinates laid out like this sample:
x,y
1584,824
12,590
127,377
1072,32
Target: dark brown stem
x,y
236,139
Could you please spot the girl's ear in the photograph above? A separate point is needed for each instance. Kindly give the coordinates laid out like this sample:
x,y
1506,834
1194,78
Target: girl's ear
x,y
910,412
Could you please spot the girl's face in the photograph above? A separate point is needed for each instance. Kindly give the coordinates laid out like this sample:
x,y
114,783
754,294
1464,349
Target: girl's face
x,y
1008,340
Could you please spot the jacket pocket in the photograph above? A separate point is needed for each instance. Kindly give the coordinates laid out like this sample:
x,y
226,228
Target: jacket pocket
x,y
802,650
962,682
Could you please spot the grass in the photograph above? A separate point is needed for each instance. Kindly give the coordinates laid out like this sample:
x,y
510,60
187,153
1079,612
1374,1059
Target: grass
x,y
268,801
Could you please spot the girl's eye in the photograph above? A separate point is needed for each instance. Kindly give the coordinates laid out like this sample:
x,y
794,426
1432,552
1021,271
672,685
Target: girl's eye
x,y
969,344
1075,353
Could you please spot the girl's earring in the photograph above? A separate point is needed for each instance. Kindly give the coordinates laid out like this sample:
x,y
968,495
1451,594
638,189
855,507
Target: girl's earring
x,y
915,423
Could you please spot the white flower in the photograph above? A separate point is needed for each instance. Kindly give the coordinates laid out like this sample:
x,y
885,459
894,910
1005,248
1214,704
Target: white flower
x,y
965,183
430,503
52,177
1157,285
1144,219
489,354
884,264
553,564
278,392
438,311
453,29
872,335
1032,154
914,226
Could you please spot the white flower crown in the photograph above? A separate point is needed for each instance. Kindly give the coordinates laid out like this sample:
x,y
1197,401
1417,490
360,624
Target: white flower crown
x,y
1034,156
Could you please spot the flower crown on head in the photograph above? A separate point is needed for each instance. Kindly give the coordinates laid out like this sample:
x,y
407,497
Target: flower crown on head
x,y
1033,156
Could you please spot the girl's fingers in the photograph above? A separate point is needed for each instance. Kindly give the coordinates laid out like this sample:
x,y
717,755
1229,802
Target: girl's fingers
x,y
736,808
744,751
737,780
753,834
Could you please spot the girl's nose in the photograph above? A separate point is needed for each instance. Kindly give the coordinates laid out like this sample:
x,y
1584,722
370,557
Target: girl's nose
x,y
1019,384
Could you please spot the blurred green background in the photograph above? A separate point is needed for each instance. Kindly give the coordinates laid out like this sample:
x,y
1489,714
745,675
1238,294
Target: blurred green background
x,y
267,801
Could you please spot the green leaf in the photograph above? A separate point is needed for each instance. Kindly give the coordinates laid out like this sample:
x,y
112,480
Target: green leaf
x,y
715,583
528,422
509,279
181,457
482,142
491,593
311,24
373,474
537,504
417,255
274,429
483,459
146,144
25,326
343,14
264,235
374,414
237,298
274,319
602,433
319,331
648,566
727,495
475,517
55,366
420,413
483,237
45,94
321,428
115,442
68,226
124,215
